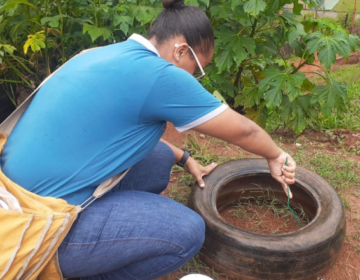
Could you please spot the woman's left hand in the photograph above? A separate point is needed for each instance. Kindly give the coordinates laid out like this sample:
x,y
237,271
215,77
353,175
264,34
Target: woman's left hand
x,y
198,171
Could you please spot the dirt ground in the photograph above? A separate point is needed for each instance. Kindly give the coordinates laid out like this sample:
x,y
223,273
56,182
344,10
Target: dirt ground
x,y
347,265
354,58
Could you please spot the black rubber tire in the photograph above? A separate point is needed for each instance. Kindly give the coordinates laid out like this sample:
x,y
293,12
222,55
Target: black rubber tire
x,y
303,254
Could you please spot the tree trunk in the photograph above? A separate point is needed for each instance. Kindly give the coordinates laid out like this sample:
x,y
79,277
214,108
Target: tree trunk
x,y
353,17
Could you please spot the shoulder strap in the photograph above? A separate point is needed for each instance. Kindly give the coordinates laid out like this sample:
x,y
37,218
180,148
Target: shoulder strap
x,y
10,122
103,188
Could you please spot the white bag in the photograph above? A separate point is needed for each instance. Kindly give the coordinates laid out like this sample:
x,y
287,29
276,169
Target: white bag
x,y
196,277
8,201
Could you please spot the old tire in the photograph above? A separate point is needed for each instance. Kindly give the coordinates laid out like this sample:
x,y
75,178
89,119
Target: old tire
x,y
303,254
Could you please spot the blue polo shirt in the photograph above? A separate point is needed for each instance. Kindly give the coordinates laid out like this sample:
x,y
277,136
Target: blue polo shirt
x,y
101,113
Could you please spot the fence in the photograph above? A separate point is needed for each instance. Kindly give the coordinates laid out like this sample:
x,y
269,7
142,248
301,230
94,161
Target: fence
x,y
324,13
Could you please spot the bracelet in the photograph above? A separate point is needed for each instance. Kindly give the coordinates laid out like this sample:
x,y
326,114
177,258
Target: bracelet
x,y
184,158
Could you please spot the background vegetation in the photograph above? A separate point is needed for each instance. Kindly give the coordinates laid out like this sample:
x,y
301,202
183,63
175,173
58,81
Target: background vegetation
x,y
346,6
250,69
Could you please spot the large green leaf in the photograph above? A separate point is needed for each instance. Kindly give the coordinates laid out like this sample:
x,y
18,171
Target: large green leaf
x,y
234,48
221,11
145,14
259,116
297,8
12,3
273,7
124,22
329,46
206,2
332,97
297,113
192,3
224,60
267,46
235,3
254,7
53,21
354,42
249,97
96,32
277,82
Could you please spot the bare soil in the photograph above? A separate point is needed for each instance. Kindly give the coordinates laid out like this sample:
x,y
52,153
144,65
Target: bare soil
x,y
340,61
263,217
347,265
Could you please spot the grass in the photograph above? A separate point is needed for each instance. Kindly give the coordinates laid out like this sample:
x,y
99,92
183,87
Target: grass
x,y
201,154
350,119
346,6
265,205
337,167
197,266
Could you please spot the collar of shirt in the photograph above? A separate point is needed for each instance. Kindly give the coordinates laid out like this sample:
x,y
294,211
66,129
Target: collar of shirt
x,y
145,42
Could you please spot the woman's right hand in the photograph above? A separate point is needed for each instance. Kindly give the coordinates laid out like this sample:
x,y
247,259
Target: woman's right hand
x,y
285,175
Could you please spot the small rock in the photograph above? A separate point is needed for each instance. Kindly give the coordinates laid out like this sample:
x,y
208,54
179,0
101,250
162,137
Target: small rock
x,y
202,136
298,145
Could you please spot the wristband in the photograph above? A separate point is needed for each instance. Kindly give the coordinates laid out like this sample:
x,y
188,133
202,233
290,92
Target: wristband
x,y
184,158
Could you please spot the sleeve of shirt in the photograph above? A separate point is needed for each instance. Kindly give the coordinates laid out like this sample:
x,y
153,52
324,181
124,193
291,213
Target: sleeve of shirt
x,y
177,97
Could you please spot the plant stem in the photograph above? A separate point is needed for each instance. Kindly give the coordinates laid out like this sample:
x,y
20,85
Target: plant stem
x,y
11,81
238,76
317,73
63,58
253,28
298,68
47,60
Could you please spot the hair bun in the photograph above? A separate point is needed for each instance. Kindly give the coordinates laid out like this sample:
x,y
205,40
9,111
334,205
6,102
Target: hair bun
x,y
173,4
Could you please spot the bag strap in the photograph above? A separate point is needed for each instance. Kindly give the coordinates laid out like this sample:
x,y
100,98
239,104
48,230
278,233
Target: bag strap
x,y
10,122
103,188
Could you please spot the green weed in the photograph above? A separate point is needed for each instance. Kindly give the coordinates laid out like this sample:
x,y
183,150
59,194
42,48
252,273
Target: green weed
x,y
179,194
202,153
251,208
195,265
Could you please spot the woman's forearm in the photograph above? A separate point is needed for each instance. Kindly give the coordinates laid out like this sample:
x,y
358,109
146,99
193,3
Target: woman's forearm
x,y
236,129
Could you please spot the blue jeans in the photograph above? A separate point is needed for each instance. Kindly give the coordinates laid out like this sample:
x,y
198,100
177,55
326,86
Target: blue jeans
x,y
132,232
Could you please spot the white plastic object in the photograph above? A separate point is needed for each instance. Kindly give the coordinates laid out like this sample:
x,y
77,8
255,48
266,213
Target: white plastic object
x,y
196,277
9,200
4,205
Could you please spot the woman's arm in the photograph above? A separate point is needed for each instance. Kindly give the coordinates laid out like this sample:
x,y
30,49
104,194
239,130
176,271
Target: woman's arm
x,y
236,129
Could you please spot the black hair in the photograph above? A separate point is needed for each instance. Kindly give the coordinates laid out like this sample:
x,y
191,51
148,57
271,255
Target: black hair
x,y
188,21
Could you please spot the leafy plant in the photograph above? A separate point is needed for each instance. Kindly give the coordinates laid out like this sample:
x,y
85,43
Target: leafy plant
x,y
251,71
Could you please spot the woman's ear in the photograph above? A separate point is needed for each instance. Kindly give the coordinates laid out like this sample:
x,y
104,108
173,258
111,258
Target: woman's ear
x,y
180,50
